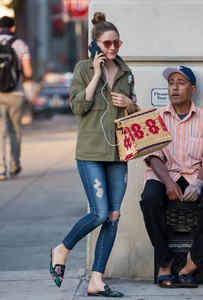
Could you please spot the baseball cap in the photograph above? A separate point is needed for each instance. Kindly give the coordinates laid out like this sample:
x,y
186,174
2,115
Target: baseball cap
x,y
185,71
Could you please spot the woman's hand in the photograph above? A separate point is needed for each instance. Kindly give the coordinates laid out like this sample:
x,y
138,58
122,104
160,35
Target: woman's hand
x,y
121,100
98,60
90,89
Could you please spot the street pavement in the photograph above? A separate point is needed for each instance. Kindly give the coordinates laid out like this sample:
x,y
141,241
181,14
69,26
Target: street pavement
x,y
38,208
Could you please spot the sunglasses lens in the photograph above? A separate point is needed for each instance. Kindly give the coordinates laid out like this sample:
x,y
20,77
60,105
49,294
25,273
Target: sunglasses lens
x,y
107,44
117,44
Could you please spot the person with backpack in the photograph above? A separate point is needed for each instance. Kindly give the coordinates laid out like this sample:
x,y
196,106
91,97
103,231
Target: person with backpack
x,y
15,68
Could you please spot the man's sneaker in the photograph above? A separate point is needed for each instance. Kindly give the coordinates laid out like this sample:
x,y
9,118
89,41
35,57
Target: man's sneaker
x,y
16,171
3,176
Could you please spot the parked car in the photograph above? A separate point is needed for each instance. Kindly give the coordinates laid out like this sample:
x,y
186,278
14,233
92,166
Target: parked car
x,y
52,98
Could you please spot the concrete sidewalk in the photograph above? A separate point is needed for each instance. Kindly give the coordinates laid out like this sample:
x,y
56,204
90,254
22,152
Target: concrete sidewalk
x,y
37,285
36,210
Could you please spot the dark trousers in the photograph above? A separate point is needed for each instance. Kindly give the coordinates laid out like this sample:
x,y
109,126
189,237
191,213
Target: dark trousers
x,y
153,206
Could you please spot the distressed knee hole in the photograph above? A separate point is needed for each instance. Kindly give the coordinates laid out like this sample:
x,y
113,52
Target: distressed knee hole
x,y
98,188
114,216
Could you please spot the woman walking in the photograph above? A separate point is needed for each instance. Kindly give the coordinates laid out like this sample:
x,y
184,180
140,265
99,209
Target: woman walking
x,y
102,89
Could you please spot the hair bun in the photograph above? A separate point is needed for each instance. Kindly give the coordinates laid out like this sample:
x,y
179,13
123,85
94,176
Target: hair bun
x,y
98,18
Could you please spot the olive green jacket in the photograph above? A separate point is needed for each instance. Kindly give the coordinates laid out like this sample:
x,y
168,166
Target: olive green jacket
x,y
96,139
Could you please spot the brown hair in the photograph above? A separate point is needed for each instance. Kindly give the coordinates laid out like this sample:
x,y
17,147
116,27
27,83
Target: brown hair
x,y
101,25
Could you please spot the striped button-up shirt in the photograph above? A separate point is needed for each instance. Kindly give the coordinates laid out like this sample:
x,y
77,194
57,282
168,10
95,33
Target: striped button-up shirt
x,y
184,155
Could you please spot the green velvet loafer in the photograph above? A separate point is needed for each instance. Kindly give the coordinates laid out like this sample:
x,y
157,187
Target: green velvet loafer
x,y
57,272
107,293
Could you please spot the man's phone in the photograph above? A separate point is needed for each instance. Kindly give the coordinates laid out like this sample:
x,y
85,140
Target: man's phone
x,y
93,48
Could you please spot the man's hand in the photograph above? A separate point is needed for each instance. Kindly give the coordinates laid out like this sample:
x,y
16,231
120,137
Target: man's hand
x,y
193,191
173,191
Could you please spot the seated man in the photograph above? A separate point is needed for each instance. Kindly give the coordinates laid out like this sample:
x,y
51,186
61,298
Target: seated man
x,y
176,173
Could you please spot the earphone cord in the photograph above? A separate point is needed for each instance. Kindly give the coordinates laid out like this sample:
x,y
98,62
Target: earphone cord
x,y
101,119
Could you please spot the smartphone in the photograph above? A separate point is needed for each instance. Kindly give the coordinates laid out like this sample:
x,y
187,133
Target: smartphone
x,y
93,48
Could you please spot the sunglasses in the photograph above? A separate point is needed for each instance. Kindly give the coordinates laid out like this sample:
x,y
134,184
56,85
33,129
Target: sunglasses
x,y
108,44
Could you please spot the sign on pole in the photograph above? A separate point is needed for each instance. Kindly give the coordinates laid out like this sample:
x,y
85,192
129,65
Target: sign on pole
x,y
74,9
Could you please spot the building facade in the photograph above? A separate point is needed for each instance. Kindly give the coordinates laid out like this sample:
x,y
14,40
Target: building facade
x,y
155,34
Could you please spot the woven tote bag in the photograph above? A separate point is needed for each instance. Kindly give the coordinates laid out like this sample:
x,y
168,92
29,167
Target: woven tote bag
x,y
141,133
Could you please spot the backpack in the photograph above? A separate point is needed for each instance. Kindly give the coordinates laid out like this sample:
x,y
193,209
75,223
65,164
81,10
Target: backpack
x,y
9,66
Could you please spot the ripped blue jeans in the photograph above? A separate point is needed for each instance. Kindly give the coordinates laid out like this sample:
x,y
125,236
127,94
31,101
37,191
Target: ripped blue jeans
x,y
105,185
